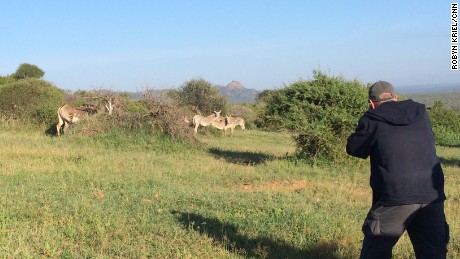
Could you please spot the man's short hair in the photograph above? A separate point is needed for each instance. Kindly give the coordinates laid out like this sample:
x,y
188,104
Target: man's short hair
x,y
381,91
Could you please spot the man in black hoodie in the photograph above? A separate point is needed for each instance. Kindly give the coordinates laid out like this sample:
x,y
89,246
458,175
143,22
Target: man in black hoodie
x,y
406,176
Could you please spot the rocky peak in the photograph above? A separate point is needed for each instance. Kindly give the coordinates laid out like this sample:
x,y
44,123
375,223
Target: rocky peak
x,y
235,85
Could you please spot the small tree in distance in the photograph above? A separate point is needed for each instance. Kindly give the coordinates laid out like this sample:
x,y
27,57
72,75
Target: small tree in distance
x,y
28,71
200,94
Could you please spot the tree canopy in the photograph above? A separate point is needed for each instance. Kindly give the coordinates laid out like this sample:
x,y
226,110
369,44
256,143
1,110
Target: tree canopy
x,y
319,113
201,94
28,71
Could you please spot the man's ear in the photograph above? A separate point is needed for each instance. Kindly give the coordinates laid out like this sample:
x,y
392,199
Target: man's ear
x,y
396,98
372,103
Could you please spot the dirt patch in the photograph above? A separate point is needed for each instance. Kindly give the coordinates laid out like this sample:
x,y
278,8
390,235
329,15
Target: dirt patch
x,y
285,185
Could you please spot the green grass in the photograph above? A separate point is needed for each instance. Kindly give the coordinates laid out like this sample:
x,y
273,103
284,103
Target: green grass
x,y
141,197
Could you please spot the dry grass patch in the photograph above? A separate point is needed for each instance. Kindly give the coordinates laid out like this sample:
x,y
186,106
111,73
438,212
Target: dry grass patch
x,y
295,184
281,185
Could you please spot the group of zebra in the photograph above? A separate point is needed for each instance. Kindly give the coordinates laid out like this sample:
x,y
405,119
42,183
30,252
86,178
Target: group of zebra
x,y
68,115
219,122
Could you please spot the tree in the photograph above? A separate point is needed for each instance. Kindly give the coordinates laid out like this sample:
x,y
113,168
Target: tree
x,y
28,71
201,94
319,113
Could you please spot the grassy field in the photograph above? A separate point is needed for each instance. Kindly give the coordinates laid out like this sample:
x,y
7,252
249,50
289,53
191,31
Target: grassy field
x,y
122,197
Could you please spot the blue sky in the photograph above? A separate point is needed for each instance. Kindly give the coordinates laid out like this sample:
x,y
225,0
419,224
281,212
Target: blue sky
x,y
131,45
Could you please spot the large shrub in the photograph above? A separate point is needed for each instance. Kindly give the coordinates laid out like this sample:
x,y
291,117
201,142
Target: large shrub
x,y
31,99
164,118
6,79
446,124
319,113
146,116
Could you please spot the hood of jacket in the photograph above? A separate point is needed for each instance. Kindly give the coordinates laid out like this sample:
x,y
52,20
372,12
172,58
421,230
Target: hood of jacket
x,y
397,113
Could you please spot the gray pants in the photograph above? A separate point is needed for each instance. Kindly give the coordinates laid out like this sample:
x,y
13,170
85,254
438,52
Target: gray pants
x,y
425,224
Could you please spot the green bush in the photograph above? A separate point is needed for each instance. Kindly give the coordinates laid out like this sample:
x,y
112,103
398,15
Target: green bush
x,y
6,79
446,124
319,113
31,99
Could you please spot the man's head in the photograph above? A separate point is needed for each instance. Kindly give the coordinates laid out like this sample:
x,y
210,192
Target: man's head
x,y
381,92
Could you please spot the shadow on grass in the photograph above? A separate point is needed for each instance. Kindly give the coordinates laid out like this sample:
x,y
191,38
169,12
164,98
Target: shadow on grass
x,y
51,130
237,157
449,162
227,235
451,145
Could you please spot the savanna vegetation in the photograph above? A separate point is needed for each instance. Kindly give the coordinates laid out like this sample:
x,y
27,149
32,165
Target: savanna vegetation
x,y
134,182
450,99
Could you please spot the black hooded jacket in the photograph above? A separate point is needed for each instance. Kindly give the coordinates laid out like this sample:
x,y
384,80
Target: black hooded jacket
x,y
404,166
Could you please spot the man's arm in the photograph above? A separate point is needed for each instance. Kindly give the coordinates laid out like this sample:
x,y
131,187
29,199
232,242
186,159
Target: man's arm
x,y
360,142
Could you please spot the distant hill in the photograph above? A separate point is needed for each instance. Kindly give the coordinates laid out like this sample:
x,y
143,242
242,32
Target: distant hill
x,y
429,88
448,94
450,99
236,93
